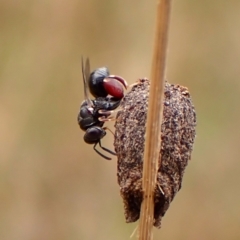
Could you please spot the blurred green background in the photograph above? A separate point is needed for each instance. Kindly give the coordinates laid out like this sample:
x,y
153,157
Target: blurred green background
x,y
52,184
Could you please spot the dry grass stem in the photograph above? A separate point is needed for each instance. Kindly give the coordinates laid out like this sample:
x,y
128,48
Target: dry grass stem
x,y
154,136
154,119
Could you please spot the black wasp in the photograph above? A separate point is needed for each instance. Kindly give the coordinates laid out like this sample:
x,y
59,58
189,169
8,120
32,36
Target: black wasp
x,y
108,92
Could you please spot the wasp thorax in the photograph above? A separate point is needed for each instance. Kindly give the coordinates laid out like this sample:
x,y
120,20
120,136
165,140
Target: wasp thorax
x,y
178,133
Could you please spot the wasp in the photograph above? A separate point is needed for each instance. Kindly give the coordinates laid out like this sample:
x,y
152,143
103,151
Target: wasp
x,y
108,91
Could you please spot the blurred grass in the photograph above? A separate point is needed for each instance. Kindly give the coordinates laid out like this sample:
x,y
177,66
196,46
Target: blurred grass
x,y
53,185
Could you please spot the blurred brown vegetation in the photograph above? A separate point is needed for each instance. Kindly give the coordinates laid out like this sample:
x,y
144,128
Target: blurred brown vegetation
x,y
53,185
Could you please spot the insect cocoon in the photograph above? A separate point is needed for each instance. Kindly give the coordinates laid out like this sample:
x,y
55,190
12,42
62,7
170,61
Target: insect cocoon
x,y
177,134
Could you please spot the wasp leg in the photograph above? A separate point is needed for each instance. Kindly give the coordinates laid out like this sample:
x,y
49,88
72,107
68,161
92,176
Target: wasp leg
x,y
134,84
106,119
106,115
106,128
107,150
108,112
94,147
105,112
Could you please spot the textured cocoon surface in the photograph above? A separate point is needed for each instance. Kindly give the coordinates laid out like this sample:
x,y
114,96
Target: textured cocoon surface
x,y
177,134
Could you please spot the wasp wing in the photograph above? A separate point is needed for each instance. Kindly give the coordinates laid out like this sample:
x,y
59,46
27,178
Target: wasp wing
x,y
86,74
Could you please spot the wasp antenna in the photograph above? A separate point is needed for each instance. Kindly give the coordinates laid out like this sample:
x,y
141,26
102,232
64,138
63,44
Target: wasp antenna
x,y
85,75
102,155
